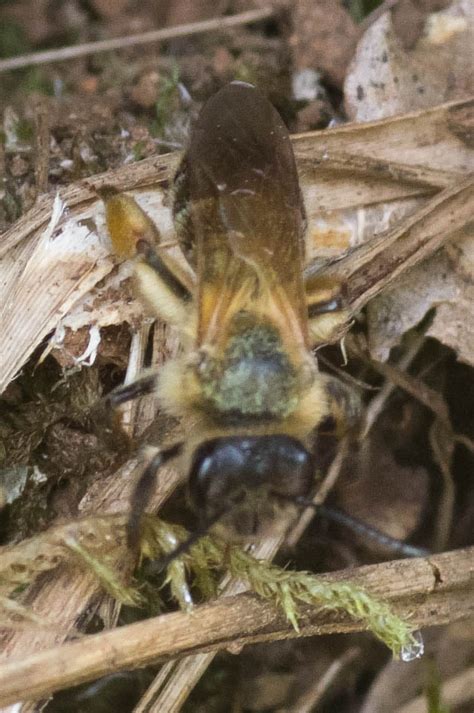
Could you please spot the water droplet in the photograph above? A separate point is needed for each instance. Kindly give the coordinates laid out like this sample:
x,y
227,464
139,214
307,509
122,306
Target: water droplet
x,y
414,650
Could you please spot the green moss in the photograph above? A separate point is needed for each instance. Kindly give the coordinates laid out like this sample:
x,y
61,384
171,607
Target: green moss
x,y
288,589
99,544
106,575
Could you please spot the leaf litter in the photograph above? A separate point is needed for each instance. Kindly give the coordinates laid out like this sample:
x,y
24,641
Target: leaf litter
x,y
359,180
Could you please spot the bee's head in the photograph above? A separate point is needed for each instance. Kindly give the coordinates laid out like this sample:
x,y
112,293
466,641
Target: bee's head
x,y
242,477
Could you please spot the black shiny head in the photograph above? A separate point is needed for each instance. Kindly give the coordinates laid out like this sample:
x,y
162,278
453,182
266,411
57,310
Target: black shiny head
x,y
229,473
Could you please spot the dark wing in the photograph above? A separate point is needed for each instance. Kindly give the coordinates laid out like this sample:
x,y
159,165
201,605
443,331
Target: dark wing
x,y
247,215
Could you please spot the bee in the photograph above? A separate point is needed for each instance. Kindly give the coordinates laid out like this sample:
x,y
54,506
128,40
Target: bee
x,y
247,386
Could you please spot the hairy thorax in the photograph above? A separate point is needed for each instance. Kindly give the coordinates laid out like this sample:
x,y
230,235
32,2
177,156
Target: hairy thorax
x,y
252,377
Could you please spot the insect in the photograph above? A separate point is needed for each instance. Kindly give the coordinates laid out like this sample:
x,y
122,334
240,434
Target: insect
x,y
248,386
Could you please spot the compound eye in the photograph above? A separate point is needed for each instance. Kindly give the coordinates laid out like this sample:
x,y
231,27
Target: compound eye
x,y
216,466
293,470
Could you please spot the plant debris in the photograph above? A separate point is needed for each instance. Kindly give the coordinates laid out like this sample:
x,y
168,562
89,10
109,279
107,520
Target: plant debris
x,y
385,91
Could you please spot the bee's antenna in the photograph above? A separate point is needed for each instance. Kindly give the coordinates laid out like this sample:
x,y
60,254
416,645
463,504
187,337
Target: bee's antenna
x,y
356,525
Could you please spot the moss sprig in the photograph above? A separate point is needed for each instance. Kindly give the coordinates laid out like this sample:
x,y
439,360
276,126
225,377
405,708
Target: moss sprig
x,y
99,543
287,589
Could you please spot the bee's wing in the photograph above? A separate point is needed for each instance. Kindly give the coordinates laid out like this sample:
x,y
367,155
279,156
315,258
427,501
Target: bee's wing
x,y
247,215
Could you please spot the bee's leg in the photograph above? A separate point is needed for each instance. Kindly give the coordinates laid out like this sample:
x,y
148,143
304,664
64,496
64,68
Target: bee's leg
x,y
165,286
129,392
340,517
143,488
167,270
361,528
328,312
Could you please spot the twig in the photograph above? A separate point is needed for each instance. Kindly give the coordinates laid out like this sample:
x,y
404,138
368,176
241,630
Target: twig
x,y
443,445
431,591
378,402
377,264
118,43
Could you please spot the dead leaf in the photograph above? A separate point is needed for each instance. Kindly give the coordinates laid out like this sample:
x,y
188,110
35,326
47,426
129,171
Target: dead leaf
x,y
385,79
453,324
402,307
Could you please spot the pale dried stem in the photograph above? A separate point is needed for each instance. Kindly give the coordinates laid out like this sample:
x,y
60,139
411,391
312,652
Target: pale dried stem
x,y
131,421
431,591
177,682
134,367
322,493
119,43
377,404
146,704
421,176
